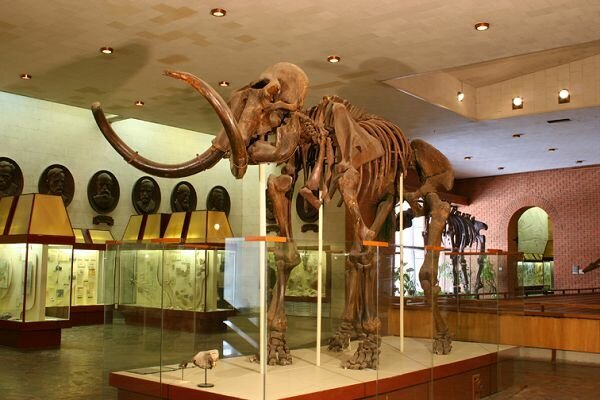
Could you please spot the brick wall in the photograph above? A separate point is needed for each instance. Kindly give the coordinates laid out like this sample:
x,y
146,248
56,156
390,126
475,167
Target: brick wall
x,y
571,197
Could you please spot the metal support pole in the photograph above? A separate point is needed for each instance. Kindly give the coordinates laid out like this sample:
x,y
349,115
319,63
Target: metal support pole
x,y
320,280
262,231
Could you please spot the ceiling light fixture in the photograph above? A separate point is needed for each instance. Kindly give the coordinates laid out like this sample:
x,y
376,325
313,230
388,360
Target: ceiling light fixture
x,y
552,149
139,103
579,161
482,26
218,12
223,83
25,77
564,96
460,96
500,168
517,135
517,103
334,59
468,158
106,50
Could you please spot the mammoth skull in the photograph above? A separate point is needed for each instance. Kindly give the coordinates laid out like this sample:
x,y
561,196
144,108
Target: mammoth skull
x,y
252,111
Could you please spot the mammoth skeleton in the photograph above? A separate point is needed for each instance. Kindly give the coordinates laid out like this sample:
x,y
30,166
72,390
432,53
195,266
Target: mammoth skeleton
x,y
338,147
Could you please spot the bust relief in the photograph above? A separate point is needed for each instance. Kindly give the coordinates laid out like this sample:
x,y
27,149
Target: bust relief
x,y
57,180
146,195
183,197
103,191
11,178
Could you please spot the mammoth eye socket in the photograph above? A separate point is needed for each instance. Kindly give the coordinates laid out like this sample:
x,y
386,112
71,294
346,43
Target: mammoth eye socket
x,y
260,84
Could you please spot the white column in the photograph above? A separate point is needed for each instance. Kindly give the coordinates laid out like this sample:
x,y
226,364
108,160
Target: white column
x,y
262,231
401,249
320,280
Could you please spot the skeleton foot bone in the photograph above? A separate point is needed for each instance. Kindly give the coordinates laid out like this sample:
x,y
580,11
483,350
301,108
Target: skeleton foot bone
x,y
442,343
341,340
367,354
277,349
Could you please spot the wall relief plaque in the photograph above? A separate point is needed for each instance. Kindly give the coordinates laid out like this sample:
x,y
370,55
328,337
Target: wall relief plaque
x,y
183,197
218,200
57,180
103,191
11,178
145,195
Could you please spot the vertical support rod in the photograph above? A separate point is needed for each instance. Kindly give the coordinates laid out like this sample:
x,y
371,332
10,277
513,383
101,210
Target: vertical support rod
x,y
401,246
320,280
262,231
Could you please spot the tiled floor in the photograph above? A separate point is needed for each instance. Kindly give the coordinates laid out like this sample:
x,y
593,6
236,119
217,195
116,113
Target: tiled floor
x,y
76,371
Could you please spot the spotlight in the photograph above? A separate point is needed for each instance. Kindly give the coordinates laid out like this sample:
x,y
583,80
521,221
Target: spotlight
x,y
25,77
482,26
552,149
223,83
334,59
517,135
218,12
106,50
579,161
460,96
500,168
468,158
139,103
564,96
517,103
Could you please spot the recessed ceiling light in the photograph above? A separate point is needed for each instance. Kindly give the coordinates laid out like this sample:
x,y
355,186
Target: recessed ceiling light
x,y
139,103
224,83
218,12
579,161
517,103
106,50
482,26
517,135
552,149
468,158
334,59
25,77
500,168
564,96
460,96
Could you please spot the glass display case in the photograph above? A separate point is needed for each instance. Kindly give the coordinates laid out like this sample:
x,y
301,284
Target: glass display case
x,y
177,267
36,270
335,331
92,268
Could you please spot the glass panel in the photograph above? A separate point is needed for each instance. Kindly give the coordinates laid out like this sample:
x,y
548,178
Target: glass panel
x,y
12,277
133,324
58,282
87,277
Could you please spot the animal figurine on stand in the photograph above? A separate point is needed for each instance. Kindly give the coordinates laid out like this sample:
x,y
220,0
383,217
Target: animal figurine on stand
x,y
337,147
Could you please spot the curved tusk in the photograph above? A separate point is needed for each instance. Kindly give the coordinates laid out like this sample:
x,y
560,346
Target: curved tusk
x,y
203,161
239,155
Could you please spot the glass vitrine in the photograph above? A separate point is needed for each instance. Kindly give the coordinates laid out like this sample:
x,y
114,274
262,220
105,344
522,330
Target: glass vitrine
x,y
92,269
36,253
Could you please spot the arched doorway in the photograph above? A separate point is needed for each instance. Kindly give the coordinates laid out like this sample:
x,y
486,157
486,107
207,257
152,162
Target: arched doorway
x,y
532,229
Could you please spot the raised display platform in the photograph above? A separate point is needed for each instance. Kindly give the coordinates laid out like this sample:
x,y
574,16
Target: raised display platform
x,y
468,372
